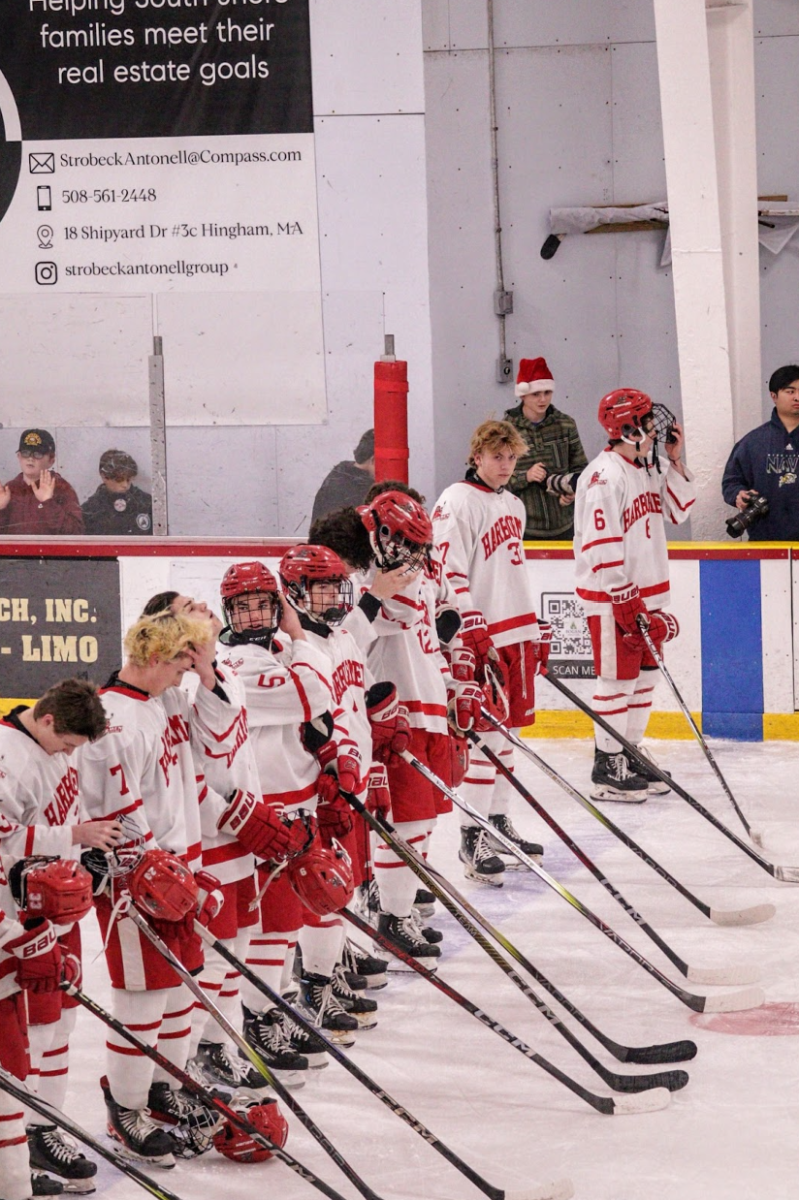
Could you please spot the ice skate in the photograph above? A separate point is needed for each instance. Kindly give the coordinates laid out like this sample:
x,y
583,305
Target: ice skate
x,y
479,862
503,823
51,1150
612,779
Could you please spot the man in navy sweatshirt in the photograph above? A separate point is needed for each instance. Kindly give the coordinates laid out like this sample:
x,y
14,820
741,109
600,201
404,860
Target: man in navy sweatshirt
x,y
766,463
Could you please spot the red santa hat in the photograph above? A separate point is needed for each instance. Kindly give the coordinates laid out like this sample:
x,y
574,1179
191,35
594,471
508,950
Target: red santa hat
x,y
534,376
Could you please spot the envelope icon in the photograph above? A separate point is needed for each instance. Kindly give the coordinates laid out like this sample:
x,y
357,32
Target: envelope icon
x,y
42,163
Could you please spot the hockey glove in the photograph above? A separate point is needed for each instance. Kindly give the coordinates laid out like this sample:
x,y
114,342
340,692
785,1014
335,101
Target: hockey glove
x,y
463,705
257,826
494,697
541,649
314,734
663,627
391,730
333,814
627,608
448,622
345,764
210,897
378,797
474,634
38,957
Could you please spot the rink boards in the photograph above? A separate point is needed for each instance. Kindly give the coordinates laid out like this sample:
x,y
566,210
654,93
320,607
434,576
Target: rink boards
x,y
735,661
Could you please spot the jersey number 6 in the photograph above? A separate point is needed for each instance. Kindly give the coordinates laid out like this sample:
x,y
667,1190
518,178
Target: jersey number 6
x,y
599,518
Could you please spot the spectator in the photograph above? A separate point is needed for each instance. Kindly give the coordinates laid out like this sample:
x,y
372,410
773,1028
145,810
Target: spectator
x,y
546,475
766,462
118,508
348,482
38,500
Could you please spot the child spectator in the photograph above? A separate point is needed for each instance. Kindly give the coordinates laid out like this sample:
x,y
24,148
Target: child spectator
x,y
38,500
118,508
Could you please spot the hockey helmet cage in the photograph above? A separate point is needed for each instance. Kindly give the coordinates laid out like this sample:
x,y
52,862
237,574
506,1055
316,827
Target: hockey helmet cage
x,y
322,878
162,886
245,579
301,567
400,531
622,412
60,890
239,1145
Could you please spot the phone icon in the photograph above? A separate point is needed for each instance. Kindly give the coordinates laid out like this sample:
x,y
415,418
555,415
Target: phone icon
x,y
44,198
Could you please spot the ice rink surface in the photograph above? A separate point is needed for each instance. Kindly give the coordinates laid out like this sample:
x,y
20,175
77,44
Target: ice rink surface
x,y
731,1134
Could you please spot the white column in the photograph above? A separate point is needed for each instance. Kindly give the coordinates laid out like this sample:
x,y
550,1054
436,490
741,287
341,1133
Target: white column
x,y
700,295
732,81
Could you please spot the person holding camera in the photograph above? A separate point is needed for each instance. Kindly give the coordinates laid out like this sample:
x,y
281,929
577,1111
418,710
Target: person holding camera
x,y
762,473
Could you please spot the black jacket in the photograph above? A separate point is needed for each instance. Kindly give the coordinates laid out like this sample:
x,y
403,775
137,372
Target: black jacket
x,y
345,486
767,461
118,514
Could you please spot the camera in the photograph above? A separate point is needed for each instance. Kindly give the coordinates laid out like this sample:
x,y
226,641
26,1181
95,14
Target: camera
x,y
747,517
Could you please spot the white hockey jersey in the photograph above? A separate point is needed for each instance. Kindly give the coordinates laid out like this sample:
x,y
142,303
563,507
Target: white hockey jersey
x,y
142,769
224,760
39,797
619,534
479,534
10,930
350,679
282,691
406,651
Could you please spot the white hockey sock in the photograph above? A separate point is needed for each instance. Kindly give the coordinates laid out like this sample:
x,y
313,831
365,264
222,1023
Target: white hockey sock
x,y
130,1072
174,1037
611,701
640,707
15,1170
265,958
220,982
321,946
54,1065
503,788
477,788
396,881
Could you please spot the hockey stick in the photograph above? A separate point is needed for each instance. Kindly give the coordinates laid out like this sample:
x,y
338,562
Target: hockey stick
x,y
208,1098
717,975
457,905
742,916
730,1002
18,1090
488,1189
783,874
672,1080
282,1091
756,837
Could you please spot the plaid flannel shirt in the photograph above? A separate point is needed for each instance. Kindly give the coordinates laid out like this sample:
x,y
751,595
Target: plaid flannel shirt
x,y
555,442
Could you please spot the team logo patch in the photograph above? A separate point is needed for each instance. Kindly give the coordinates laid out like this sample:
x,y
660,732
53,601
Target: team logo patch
x,y
596,478
788,477
143,521
120,505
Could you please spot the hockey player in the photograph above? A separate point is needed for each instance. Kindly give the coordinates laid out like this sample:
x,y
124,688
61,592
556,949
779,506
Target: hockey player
x,y
395,535
284,688
30,964
225,765
624,496
478,526
40,815
138,771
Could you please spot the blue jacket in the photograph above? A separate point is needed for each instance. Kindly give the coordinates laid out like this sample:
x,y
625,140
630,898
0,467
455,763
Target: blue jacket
x,y
767,460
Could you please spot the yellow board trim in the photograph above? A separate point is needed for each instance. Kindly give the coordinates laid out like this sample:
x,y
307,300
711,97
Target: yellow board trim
x,y
781,727
574,724
7,705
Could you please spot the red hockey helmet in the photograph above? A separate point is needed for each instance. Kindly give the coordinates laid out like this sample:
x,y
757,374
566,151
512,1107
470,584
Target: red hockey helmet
x,y
301,567
251,620
240,1146
322,878
622,412
400,531
162,886
59,890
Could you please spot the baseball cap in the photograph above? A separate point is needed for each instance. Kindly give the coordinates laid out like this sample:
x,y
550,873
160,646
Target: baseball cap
x,y
117,464
36,441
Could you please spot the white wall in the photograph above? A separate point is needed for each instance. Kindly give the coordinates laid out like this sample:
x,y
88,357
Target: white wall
x,y
579,123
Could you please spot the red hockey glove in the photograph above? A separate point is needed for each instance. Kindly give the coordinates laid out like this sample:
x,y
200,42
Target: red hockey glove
x,y
210,897
333,814
462,664
39,957
378,797
541,649
494,698
663,627
474,635
463,705
391,730
257,826
627,608
344,764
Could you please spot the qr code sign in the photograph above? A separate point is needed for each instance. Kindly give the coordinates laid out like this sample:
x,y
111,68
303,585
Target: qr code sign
x,y
570,637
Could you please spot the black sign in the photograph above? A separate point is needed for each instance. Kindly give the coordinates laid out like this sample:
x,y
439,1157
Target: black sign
x,y
58,618
157,68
